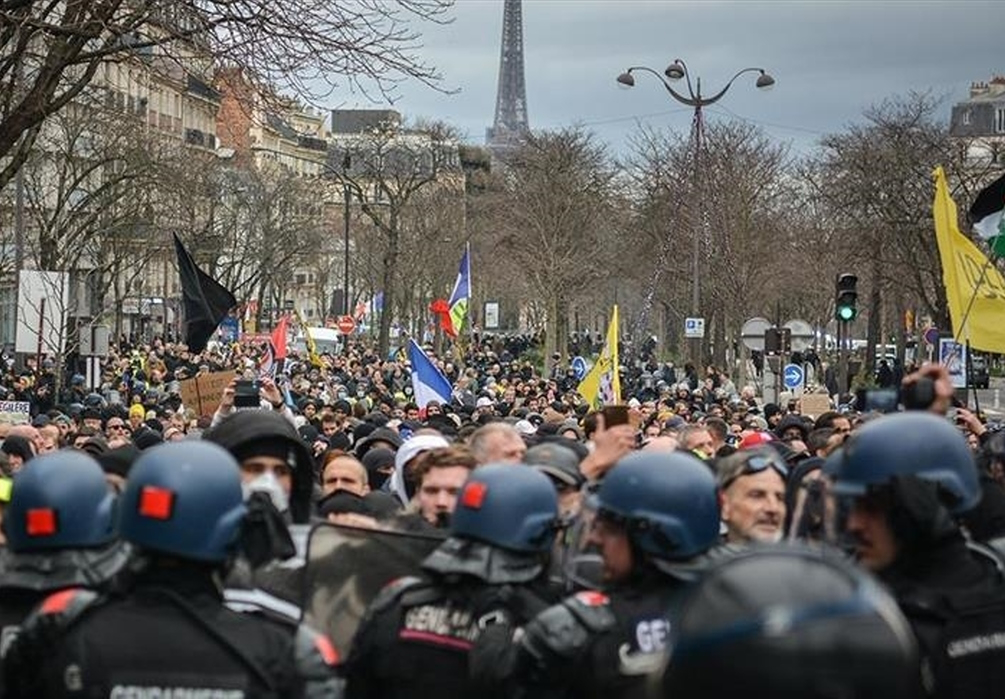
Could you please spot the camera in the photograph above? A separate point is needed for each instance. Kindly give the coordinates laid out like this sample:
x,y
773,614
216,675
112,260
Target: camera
x,y
247,394
917,395
881,400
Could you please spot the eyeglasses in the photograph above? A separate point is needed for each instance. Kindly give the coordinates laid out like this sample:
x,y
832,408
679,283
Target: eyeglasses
x,y
116,427
756,464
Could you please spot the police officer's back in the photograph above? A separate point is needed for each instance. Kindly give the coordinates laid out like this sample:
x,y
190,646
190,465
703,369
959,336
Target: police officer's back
x,y
60,532
170,633
417,638
901,480
657,515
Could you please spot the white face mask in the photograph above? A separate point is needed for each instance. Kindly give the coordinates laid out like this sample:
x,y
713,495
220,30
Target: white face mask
x,y
268,483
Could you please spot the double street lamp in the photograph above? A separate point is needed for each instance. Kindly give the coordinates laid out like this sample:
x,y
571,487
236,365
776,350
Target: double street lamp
x,y
693,98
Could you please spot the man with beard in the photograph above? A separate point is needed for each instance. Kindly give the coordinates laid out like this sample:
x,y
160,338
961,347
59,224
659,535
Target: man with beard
x,y
752,495
901,480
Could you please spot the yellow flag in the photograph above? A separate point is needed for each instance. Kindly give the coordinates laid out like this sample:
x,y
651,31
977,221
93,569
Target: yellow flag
x,y
975,289
312,350
602,385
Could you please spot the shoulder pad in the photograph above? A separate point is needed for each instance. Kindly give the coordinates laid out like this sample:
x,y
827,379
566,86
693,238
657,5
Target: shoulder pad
x,y
565,630
315,648
393,591
592,609
316,661
66,605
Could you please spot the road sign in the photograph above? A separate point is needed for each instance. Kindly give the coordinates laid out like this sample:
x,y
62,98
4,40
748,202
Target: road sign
x,y
491,316
802,334
752,333
345,325
932,336
793,375
694,327
579,367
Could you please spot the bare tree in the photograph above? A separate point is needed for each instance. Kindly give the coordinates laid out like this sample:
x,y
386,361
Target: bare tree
x,y
389,171
875,179
51,51
557,220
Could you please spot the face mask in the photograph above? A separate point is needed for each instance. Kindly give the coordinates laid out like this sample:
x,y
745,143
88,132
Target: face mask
x,y
267,483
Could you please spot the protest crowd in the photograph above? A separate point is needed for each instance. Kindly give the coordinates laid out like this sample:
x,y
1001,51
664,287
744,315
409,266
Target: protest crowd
x,y
331,530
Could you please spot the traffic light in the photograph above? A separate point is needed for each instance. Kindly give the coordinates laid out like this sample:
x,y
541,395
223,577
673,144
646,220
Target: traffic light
x,y
846,297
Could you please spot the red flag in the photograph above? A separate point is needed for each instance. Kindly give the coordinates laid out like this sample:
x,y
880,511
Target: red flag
x,y
279,338
441,308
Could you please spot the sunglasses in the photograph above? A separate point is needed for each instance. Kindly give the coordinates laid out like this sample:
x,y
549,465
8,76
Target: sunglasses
x,y
756,464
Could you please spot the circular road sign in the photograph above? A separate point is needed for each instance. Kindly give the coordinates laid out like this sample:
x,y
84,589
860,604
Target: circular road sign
x,y
345,325
793,375
752,333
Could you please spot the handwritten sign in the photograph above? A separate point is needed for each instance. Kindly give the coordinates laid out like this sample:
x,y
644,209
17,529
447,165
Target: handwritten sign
x,y
14,411
204,393
815,404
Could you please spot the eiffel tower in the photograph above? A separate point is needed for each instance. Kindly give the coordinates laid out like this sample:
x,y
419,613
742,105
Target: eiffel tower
x,y
511,99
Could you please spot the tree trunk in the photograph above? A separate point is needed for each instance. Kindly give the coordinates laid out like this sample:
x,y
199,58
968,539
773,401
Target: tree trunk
x,y
719,337
550,333
874,335
390,265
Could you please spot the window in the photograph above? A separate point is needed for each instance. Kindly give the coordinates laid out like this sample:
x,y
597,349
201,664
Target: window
x,y
301,279
1000,120
966,118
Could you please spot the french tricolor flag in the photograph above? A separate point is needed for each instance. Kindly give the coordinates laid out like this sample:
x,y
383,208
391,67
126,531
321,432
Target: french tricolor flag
x,y
428,384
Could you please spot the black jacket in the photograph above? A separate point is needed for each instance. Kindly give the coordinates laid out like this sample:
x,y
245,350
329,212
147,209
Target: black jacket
x,y
171,631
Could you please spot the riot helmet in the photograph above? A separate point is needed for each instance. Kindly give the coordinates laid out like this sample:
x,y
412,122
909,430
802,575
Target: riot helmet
x,y
184,498
511,506
792,623
60,501
666,501
910,444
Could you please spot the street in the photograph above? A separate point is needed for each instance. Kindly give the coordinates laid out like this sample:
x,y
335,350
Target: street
x,y
991,400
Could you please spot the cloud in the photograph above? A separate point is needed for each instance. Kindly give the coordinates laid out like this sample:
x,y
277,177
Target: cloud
x,y
831,60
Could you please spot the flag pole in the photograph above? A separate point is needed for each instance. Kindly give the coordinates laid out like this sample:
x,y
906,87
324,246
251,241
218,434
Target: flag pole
x,y
471,293
973,297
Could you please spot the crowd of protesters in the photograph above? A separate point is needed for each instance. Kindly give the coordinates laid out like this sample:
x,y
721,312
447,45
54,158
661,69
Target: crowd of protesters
x,y
692,471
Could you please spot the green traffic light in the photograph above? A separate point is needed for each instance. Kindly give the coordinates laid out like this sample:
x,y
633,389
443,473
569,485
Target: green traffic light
x,y
846,313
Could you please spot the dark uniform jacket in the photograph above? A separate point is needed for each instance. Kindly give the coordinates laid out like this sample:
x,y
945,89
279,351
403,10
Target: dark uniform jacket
x,y
171,634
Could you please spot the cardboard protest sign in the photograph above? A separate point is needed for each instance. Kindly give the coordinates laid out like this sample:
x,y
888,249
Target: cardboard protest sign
x,y
203,393
815,404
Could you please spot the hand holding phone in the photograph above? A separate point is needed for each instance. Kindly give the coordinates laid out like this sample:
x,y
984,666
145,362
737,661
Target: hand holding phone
x,y
247,394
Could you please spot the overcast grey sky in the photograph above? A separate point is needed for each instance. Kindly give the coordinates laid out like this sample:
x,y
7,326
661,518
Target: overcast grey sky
x,y
830,59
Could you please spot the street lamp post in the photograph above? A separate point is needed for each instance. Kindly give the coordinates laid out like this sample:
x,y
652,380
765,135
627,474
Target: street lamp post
x,y
693,98
346,192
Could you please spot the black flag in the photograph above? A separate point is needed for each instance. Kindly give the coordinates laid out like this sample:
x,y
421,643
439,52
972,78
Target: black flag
x,y
206,300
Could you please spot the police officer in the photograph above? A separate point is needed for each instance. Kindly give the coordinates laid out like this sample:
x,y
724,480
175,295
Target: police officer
x,y
417,637
900,481
789,623
656,516
170,634
60,533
